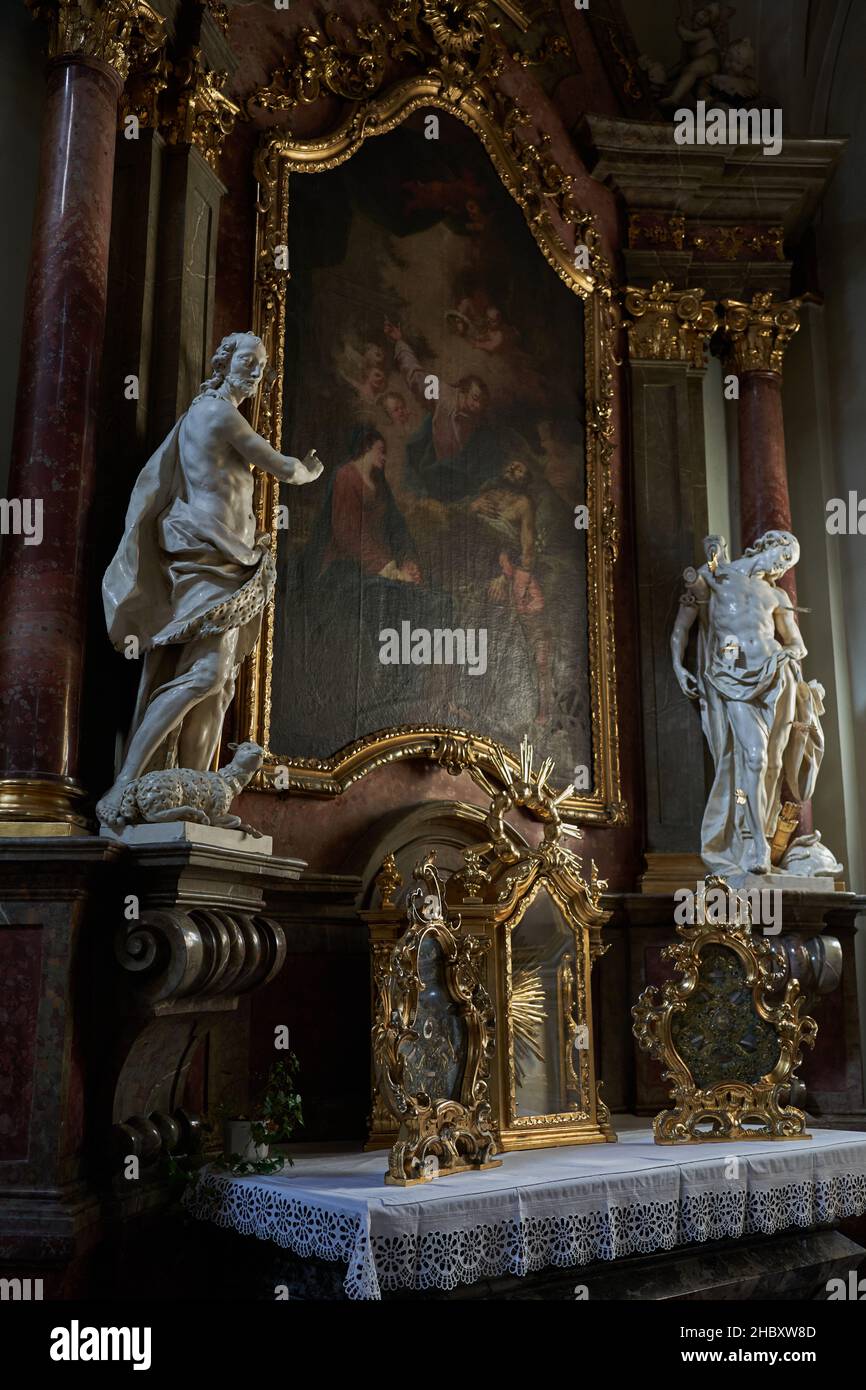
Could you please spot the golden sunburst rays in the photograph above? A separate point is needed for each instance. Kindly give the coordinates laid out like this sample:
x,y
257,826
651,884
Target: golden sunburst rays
x,y
528,1015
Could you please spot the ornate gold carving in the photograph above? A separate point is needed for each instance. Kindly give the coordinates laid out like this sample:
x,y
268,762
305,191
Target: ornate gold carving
x,y
758,333
723,241
668,325
456,1133
202,114
631,83
661,229
388,881
549,48
117,32
455,46
731,1108
219,13
733,243
516,876
142,94
568,1040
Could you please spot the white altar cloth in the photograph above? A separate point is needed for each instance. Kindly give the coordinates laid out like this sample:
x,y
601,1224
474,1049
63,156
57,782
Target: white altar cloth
x,y
542,1207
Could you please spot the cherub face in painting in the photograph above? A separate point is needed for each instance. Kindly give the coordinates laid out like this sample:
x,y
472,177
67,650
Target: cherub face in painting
x,y
474,399
374,355
395,407
375,380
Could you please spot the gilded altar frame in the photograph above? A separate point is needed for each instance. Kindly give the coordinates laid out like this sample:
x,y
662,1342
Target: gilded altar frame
x,y
730,1109
500,880
455,1132
461,60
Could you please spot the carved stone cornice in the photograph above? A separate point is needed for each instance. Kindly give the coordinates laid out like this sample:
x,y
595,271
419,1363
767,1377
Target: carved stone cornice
x,y
120,33
702,213
197,110
668,325
757,334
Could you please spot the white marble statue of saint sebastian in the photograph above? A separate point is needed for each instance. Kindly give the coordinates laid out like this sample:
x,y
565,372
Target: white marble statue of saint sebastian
x,y
192,577
760,716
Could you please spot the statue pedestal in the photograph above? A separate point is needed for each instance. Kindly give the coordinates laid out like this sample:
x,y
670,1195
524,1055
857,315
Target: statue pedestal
x,y
781,882
186,832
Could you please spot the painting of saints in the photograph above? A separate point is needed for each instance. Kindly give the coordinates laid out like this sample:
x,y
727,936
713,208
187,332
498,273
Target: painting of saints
x,y
423,351
455,448
360,560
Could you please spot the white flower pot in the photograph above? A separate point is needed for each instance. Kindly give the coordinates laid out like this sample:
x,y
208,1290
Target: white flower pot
x,y
237,1139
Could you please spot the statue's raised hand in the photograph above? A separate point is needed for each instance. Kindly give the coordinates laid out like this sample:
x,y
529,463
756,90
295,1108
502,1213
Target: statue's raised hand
x,y
313,466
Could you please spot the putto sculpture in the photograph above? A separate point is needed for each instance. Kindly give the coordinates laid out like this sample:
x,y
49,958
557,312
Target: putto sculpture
x,y
704,71
760,716
192,576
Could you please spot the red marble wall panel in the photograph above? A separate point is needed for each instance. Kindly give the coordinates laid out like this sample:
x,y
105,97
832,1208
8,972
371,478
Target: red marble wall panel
x,y
20,973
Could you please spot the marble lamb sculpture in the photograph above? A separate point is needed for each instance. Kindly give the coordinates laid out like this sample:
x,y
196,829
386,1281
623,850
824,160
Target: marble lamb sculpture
x,y
191,579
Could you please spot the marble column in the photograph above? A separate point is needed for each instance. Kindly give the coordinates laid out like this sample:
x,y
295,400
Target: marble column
x,y
42,585
756,335
667,333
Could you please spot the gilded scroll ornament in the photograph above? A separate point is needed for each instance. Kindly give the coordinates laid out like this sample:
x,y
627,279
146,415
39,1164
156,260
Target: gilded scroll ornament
x,y
119,33
668,325
729,1045
433,1038
758,333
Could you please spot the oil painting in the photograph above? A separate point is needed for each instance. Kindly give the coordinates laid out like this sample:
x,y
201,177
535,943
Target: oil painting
x,y
438,576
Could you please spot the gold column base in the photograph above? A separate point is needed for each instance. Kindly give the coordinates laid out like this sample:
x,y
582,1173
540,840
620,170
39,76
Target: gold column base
x,y
32,806
665,873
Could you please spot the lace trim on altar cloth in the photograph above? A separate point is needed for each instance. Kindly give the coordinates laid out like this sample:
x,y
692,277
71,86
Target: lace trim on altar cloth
x,y
445,1259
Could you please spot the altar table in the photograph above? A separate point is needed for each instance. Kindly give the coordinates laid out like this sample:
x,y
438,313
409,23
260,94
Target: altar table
x,y
543,1207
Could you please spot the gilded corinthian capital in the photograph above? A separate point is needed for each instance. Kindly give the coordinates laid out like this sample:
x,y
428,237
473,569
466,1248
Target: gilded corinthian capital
x,y
757,334
668,325
118,32
197,110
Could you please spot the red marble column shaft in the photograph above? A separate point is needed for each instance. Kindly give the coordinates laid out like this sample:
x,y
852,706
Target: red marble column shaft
x,y
764,501
42,598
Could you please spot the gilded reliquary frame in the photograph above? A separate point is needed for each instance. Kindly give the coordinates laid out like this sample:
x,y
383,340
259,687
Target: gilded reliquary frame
x,y
432,1040
544,1088
461,60
731,991
541,980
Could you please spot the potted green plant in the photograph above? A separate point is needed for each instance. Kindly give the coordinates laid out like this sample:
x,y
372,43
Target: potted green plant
x,y
278,1113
